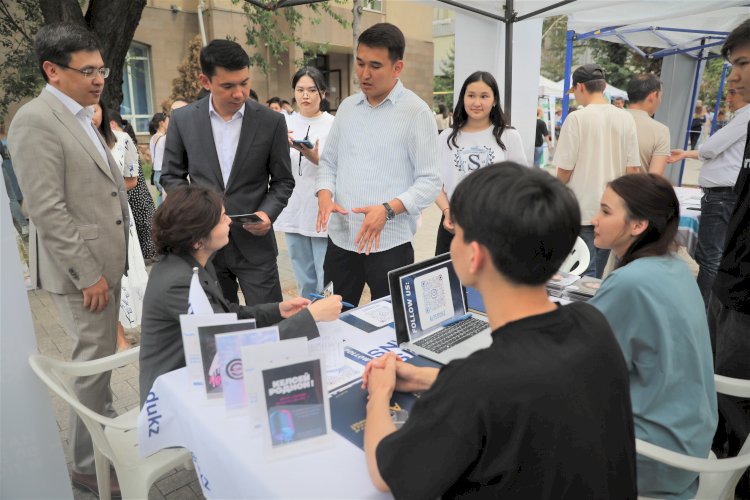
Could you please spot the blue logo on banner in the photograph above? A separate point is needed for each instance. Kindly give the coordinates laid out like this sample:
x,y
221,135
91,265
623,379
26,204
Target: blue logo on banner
x,y
202,478
153,414
357,356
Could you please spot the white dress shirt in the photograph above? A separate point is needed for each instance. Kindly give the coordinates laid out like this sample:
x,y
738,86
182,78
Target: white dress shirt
x,y
722,152
226,137
83,115
376,153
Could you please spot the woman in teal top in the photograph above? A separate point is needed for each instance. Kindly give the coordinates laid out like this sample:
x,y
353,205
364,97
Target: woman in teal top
x,y
655,309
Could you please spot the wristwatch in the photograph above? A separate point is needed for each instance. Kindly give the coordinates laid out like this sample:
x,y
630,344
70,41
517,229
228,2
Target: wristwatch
x,y
389,213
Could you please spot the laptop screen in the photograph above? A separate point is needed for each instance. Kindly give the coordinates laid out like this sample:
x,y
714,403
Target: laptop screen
x,y
430,294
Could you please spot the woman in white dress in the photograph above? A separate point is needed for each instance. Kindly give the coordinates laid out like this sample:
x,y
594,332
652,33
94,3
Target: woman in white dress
x,y
479,136
134,282
307,248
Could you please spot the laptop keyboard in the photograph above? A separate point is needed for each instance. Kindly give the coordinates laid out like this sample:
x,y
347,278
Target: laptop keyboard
x,y
452,335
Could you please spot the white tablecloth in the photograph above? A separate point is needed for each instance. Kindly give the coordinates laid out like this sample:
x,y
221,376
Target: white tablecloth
x,y
690,213
228,454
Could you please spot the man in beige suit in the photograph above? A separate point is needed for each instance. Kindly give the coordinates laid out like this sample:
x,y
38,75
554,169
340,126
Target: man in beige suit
x,y
78,206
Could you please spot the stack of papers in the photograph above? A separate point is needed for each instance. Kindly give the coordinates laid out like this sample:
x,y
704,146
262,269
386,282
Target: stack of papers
x,y
583,289
556,285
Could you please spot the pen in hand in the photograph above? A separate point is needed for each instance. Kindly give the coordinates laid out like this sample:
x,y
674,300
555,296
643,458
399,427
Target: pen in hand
x,y
317,296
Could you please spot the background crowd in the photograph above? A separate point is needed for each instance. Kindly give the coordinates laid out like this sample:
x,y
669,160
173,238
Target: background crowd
x,y
347,192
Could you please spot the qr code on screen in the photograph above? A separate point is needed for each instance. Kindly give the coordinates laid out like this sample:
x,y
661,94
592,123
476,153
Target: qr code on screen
x,y
435,297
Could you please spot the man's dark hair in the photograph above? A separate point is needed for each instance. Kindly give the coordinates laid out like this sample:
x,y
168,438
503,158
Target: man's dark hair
x,y
223,54
387,36
595,86
527,219
272,100
254,95
58,41
739,37
641,86
189,216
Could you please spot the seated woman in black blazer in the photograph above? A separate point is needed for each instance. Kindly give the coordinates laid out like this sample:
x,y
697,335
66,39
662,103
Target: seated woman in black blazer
x,y
188,228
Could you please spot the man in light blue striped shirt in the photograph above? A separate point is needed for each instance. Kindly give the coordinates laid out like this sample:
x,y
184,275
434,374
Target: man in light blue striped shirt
x,y
378,170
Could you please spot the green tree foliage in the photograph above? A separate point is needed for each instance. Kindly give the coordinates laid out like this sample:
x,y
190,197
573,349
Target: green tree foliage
x,y
709,87
187,85
113,21
620,63
276,28
553,47
19,22
444,81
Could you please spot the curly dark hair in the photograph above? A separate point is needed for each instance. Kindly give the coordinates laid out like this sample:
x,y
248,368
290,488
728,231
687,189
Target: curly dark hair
x,y
188,215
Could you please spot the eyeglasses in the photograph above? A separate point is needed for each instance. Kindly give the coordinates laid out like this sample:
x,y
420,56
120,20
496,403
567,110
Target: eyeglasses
x,y
88,72
310,91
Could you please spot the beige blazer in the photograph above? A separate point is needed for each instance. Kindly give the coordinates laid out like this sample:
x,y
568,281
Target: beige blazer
x,y
76,202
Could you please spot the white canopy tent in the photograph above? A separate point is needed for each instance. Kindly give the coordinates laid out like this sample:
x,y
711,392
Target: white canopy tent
x,y
549,88
667,24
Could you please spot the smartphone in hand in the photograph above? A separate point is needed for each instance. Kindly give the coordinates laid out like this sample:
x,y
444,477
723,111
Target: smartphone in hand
x,y
246,219
303,142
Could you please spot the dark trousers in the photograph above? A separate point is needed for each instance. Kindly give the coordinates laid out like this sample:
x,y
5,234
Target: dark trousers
x,y
259,282
730,340
599,256
716,210
349,271
444,238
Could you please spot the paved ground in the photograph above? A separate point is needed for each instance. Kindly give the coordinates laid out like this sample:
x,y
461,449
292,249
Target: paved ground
x,y
52,341
183,484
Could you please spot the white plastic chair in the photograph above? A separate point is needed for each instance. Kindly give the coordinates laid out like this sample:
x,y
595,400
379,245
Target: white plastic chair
x,y
578,260
115,439
718,476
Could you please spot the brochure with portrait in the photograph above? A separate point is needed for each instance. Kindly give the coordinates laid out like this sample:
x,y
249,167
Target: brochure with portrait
x,y
189,324
296,415
209,358
229,351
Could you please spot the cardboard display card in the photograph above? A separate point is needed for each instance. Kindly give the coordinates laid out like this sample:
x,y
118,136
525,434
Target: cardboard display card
x,y
229,351
295,407
189,324
209,359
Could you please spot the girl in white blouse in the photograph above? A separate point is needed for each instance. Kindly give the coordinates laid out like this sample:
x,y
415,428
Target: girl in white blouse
x,y
307,247
479,137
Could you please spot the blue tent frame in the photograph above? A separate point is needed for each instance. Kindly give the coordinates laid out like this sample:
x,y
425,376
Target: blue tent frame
x,y
705,39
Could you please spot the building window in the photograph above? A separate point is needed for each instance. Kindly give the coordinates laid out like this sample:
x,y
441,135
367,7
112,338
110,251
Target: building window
x,y
136,104
374,5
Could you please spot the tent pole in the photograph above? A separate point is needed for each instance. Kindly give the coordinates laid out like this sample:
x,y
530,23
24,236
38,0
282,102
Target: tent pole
x,y
717,106
693,97
508,60
568,63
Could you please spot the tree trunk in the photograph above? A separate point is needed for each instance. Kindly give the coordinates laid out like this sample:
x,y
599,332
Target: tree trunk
x,y
114,23
356,31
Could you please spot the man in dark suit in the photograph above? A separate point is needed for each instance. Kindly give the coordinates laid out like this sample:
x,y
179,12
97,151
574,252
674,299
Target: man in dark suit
x,y
79,212
240,149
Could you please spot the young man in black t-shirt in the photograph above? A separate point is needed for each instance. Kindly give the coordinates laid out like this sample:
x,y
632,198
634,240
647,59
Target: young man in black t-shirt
x,y
544,412
729,305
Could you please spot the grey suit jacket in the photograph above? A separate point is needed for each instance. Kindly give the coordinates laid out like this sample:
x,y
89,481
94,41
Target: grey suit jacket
x,y
76,201
166,298
261,177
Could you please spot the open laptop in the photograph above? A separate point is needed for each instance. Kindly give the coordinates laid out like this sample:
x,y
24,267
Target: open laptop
x,y
429,312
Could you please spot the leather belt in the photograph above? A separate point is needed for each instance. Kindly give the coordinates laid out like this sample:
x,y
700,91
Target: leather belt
x,y
722,189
